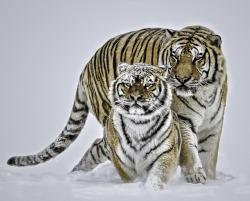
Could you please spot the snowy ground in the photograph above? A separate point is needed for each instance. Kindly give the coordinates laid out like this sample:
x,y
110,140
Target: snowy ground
x,y
104,184
44,46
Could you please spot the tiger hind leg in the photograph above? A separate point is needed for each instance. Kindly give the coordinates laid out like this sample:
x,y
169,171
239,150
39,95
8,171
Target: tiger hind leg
x,y
94,156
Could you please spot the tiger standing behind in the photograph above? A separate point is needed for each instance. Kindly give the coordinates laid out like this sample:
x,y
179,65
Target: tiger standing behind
x,y
198,76
141,137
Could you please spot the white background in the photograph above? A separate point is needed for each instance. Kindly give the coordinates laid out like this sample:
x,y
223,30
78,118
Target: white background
x,y
44,45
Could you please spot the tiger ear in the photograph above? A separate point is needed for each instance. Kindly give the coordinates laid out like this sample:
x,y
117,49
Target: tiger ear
x,y
163,70
122,67
170,33
215,40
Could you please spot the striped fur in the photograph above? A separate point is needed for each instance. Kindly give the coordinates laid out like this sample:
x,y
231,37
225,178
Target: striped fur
x,y
200,108
198,74
141,137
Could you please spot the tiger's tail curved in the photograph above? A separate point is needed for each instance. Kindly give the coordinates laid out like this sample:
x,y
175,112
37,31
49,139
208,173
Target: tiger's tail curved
x,y
71,131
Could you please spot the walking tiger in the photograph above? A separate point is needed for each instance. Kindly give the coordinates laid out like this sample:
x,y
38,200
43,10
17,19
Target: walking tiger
x,y
198,76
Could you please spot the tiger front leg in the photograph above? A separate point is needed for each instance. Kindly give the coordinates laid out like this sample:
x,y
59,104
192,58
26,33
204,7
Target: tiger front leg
x,y
94,156
189,158
208,143
162,170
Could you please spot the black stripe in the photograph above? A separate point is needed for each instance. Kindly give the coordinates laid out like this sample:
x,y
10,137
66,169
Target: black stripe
x,y
140,122
153,49
122,148
76,110
124,164
199,103
197,39
19,161
99,147
201,35
156,128
153,58
160,45
192,127
98,151
206,72
164,56
162,97
78,98
140,33
129,141
122,53
75,122
47,152
216,66
179,135
91,89
136,45
58,150
165,152
144,45
72,137
126,154
206,138
28,160
73,131
140,45
114,53
217,111
202,151
147,44
95,89
106,60
43,157
92,156
209,62
213,96
185,102
12,161
160,143
116,40
103,152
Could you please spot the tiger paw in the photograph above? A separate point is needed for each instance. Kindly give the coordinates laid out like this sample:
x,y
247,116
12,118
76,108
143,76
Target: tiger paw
x,y
154,186
196,176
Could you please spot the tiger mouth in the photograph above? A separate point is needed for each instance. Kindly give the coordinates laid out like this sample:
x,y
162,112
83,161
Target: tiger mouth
x,y
136,105
136,109
183,89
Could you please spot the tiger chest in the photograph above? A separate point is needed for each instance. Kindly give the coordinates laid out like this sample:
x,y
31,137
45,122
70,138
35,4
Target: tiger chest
x,y
137,150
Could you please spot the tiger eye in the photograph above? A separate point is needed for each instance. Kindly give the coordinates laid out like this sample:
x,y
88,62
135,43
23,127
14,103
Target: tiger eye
x,y
200,62
173,61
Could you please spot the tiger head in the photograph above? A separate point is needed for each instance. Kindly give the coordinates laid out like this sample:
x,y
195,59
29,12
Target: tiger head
x,y
194,58
140,89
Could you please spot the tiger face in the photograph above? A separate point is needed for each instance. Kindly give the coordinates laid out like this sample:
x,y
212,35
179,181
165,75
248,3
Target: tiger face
x,y
139,89
191,59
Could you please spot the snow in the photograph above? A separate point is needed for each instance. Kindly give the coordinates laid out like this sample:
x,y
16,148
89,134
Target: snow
x,y
103,183
44,46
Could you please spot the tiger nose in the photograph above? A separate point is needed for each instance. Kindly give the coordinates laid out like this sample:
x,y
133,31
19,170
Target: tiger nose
x,y
183,79
135,97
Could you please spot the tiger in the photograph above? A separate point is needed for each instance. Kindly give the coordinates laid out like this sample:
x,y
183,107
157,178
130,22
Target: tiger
x,y
141,136
198,78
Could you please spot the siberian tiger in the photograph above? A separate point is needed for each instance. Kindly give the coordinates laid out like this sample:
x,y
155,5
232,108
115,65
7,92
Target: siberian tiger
x,y
198,75
141,137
